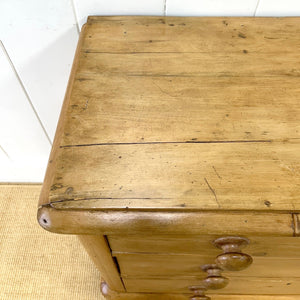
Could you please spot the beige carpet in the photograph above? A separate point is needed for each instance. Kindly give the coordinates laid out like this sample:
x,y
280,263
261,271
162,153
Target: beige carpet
x,y
36,264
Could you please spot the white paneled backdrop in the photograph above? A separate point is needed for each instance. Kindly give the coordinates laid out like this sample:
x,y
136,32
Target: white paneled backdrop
x,y
37,44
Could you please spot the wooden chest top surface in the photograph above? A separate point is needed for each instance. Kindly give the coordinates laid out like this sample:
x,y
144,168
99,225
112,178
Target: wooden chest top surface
x,y
180,114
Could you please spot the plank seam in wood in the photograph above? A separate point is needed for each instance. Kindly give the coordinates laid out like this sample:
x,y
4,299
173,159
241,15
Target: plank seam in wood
x,y
182,209
154,143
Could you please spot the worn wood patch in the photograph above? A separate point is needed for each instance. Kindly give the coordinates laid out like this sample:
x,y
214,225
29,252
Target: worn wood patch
x,y
180,127
177,109
231,176
180,114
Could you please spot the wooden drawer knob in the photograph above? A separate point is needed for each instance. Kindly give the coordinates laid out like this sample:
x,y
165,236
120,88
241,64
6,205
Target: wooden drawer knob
x,y
199,293
232,259
214,279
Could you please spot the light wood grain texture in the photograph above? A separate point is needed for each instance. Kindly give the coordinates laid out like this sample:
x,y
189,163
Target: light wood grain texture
x,y
98,250
135,265
237,285
153,296
109,294
165,223
195,72
271,247
178,109
249,125
174,34
217,64
187,129
236,176
50,173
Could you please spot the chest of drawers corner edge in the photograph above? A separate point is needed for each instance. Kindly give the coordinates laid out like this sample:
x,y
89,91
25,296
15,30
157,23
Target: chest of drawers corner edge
x,y
150,243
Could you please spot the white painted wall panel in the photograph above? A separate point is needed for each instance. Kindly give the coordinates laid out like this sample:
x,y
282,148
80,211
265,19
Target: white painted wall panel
x,y
41,37
21,135
4,159
279,8
13,171
85,8
211,7
4,165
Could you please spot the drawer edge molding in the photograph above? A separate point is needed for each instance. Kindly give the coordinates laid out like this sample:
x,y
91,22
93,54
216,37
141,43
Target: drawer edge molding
x,y
107,222
112,295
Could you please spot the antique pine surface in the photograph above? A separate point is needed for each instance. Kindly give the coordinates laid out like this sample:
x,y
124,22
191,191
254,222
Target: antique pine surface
x,y
176,131
200,113
180,114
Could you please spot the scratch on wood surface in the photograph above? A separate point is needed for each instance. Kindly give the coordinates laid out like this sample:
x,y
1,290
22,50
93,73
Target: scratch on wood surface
x,y
163,90
216,172
213,191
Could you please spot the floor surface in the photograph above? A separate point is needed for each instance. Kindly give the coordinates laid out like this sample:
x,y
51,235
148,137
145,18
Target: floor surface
x,y
34,263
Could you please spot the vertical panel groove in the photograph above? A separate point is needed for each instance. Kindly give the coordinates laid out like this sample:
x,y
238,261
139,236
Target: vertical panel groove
x,y
75,16
165,7
6,154
257,4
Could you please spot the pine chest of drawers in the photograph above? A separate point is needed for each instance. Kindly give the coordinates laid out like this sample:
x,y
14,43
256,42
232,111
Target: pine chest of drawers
x,y
177,146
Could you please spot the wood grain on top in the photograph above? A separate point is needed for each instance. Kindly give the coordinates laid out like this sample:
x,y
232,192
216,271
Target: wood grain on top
x,y
145,79
199,113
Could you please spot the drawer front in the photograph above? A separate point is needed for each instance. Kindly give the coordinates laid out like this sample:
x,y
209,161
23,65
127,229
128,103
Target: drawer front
x,y
172,264
237,285
157,265
288,247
